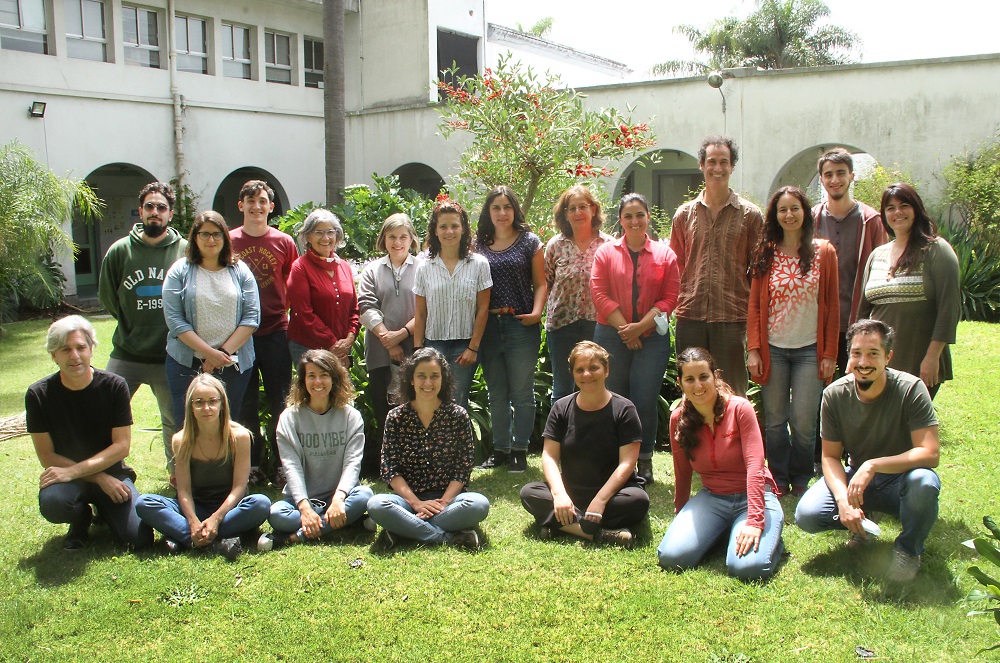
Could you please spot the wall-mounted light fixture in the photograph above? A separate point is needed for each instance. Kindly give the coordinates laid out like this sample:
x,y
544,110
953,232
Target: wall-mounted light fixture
x,y
37,109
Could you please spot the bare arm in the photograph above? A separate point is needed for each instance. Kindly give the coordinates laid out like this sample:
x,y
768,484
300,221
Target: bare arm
x,y
926,452
628,455
541,289
562,504
419,321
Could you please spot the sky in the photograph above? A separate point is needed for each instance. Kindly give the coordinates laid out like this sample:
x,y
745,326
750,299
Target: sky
x,y
639,32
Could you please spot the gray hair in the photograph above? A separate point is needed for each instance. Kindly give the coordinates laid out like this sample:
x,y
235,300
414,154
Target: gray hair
x,y
60,330
316,217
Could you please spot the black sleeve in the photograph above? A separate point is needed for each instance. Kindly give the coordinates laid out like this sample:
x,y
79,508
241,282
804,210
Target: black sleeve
x,y
34,414
627,424
555,425
121,403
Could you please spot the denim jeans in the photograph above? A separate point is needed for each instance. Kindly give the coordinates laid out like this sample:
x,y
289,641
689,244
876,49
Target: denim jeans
x,y
561,342
706,517
725,341
509,356
285,516
637,375
179,378
67,503
137,374
272,366
791,398
164,515
393,513
463,374
910,496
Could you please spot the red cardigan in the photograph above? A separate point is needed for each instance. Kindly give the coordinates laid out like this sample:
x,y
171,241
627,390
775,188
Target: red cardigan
x,y
828,326
323,309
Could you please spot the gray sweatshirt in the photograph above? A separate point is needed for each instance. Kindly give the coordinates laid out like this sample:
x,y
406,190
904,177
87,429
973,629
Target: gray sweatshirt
x,y
321,453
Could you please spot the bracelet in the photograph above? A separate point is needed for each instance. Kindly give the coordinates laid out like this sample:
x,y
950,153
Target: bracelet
x,y
408,334
471,350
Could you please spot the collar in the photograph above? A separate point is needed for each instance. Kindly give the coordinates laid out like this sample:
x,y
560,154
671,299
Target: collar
x,y
327,264
645,247
734,199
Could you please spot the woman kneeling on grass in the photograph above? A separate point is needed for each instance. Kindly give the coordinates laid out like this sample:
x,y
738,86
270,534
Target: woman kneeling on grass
x,y
321,439
592,441
427,459
211,464
716,433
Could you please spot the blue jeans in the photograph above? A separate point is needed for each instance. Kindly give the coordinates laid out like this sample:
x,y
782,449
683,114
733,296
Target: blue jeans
x,y
164,515
561,342
463,374
706,517
285,516
68,502
272,366
509,356
137,374
179,378
910,496
791,398
393,513
637,375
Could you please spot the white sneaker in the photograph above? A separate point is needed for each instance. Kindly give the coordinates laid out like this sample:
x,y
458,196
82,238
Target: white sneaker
x,y
265,543
904,567
369,524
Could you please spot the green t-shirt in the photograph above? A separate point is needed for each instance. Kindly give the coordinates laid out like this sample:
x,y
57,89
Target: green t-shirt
x,y
882,427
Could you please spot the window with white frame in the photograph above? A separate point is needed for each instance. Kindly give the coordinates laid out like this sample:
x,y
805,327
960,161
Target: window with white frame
x,y
141,36
278,58
191,44
235,51
22,26
312,62
86,37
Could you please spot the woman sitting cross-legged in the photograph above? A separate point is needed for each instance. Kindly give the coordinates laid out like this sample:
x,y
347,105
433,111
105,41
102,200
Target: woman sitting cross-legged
x,y
211,465
427,459
716,433
321,438
592,441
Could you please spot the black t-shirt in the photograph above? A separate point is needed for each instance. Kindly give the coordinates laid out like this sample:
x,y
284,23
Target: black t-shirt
x,y
80,422
590,442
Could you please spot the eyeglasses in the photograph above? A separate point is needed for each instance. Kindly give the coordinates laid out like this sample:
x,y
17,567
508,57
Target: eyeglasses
x,y
159,207
324,233
578,208
200,403
205,235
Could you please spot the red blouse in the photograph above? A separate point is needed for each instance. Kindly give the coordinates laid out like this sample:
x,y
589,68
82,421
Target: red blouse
x,y
323,301
611,280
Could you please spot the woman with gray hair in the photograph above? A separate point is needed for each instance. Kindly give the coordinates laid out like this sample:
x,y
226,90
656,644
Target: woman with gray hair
x,y
321,295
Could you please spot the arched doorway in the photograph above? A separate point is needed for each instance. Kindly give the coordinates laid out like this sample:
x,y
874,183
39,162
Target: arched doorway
x,y
421,178
667,178
801,169
227,196
118,185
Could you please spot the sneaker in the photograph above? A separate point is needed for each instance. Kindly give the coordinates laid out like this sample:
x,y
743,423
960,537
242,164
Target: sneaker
x,y
645,470
496,459
858,542
389,540
546,533
904,567
617,537
173,547
464,538
518,461
79,531
256,478
229,548
798,490
369,524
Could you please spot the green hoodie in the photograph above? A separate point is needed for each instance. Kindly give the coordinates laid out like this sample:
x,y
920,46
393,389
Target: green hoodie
x,y
131,289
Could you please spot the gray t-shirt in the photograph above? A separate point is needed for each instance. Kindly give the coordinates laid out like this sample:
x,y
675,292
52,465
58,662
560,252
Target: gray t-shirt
x,y
321,453
882,427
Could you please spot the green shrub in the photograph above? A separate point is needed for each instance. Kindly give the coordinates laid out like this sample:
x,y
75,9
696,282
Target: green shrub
x,y
985,546
979,268
973,188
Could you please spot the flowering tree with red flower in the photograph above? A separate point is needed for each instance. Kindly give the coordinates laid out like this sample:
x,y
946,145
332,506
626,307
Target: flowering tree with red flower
x,y
532,135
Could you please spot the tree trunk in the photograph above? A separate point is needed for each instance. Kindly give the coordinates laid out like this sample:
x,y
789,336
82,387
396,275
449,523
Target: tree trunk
x,y
333,100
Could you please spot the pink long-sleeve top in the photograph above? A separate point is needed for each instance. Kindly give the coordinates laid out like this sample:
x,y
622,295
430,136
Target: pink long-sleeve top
x,y
729,461
611,280
323,301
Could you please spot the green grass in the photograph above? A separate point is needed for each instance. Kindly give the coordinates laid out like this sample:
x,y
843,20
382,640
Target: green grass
x,y
518,599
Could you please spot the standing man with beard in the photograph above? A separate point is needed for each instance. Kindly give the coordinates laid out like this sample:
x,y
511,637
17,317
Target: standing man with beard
x,y
131,289
885,421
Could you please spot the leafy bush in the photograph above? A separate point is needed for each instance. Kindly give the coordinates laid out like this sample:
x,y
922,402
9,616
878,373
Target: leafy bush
x,y
985,546
365,208
973,188
979,270
869,190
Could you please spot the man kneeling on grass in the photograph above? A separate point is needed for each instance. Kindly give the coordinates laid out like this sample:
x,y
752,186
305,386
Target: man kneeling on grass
x,y
885,420
80,422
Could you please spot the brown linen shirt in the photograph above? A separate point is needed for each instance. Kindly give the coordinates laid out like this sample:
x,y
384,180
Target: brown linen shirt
x,y
713,256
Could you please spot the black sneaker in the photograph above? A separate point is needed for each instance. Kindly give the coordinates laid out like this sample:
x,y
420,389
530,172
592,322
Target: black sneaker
x,y
79,531
464,538
645,470
496,459
518,461
617,537
229,548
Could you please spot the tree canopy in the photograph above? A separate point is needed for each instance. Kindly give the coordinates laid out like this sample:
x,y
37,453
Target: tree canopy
x,y
779,34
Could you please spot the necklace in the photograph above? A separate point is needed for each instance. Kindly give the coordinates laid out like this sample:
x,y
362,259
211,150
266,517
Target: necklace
x,y
397,274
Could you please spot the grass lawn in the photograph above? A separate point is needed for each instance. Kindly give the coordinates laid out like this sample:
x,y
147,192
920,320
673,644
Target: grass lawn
x,y
518,599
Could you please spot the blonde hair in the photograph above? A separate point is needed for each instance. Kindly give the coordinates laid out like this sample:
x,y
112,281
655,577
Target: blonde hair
x,y
189,434
397,220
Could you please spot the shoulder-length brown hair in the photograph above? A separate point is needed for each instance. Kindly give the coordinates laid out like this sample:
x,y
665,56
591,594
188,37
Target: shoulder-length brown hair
x,y
193,253
342,390
559,210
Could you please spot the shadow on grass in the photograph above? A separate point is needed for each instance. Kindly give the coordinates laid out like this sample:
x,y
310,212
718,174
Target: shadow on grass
x,y
866,569
54,566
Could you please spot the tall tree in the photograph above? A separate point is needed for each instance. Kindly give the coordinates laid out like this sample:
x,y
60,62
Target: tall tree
x,y
333,100
779,34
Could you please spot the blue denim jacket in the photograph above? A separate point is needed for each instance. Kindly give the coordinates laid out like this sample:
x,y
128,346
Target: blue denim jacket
x,y
179,295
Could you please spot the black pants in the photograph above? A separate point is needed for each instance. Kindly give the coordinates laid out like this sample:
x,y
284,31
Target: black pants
x,y
378,387
625,509
273,366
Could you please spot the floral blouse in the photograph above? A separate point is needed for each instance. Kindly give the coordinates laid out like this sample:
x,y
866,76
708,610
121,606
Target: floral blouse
x,y
567,273
428,458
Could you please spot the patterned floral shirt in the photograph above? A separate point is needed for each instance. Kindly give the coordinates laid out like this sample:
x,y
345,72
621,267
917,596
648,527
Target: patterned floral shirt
x,y
428,458
567,272
793,316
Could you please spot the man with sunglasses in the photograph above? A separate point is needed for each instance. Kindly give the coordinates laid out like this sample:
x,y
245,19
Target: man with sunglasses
x,y
131,289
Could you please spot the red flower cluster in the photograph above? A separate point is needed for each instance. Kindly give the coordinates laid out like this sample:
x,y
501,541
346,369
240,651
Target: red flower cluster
x,y
632,137
589,170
